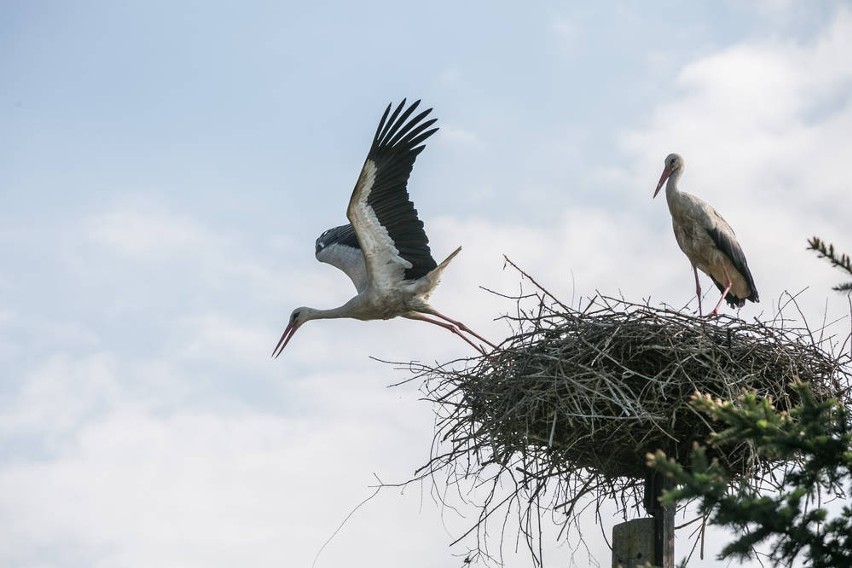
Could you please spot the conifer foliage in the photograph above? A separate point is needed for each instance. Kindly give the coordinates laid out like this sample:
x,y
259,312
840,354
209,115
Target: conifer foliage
x,y
842,261
802,520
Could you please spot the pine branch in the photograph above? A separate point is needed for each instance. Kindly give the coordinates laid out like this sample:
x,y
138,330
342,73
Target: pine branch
x,y
816,436
842,262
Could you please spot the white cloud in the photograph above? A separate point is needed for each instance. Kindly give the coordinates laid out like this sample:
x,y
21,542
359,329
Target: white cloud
x,y
215,337
580,255
201,489
461,136
144,230
764,130
761,119
143,464
57,397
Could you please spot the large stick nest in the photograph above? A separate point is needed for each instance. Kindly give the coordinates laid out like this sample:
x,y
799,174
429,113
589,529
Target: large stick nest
x,y
600,388
576,398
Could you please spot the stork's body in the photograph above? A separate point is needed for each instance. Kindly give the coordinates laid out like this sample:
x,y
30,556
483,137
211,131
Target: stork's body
x,y
377,298
384,249
707,240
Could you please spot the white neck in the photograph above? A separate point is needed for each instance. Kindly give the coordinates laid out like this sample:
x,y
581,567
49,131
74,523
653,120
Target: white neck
x,y
672,191
316,313
347,310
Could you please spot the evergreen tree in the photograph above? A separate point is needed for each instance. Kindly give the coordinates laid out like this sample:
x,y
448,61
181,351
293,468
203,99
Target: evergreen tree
x,y
816,437
842,262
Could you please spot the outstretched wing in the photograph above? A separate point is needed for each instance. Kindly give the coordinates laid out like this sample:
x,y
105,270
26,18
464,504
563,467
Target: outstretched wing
x,y
391,236
339,247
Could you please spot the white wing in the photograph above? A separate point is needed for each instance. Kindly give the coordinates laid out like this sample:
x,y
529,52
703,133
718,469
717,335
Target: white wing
x,y
339,247
391,236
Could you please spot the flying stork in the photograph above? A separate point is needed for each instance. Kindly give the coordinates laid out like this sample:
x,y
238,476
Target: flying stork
x,y
707,241
384,249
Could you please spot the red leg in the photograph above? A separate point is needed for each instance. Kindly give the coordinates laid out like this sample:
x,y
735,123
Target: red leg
x,y
715,311
461,326
697,287
447,326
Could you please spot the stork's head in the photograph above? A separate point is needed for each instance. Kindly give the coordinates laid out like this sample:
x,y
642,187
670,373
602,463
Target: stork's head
x,y
673,164
297,318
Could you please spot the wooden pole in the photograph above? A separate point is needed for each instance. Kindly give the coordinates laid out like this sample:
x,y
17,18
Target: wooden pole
x,y
663,516
633,543
640,541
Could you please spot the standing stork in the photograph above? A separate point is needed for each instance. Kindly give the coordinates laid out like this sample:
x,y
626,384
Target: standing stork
x,y
384,249
707,241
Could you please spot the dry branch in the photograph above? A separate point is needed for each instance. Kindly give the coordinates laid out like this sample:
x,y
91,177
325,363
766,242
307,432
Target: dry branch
x,y
571,403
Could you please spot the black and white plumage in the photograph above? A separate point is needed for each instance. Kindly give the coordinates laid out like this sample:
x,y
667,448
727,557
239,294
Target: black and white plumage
x,y
384,249
707,240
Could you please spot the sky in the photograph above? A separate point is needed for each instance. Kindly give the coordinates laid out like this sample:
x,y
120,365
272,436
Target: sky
x,y
165,168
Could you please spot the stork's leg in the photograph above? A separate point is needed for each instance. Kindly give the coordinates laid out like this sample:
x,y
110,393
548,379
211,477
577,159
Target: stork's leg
x,y
697,287
715,311
460,326
447,326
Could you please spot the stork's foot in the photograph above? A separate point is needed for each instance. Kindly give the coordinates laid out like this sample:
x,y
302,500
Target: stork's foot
x,y
466,329
488,352
462,328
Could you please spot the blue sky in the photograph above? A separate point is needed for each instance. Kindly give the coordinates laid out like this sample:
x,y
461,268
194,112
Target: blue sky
x,y
166,166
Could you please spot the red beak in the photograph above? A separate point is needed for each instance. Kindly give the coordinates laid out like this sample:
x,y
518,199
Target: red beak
x,y
666,173
288,334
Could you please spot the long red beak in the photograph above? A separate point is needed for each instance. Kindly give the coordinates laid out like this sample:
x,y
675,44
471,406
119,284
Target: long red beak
x,y
666,173
288,334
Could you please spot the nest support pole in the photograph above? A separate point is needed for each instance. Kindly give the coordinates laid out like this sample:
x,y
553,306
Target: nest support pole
x,y
637,542
663,516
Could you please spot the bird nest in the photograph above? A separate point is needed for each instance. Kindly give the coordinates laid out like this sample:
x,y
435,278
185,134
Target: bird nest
x,y
572,402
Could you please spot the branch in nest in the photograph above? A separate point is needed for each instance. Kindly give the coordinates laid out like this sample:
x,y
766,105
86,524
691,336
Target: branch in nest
x,y
571,403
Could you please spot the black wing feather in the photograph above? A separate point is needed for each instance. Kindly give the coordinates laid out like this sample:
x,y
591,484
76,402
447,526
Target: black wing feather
x,y
343,235
732,250
385,124
395,147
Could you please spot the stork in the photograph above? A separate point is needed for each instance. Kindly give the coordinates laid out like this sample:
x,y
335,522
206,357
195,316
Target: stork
x,y
384,249
707,241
